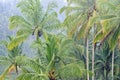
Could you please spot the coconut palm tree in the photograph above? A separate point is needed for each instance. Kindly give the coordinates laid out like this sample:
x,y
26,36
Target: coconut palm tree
x,y
103,62
34,20
10,59
57,61
109,24
79,13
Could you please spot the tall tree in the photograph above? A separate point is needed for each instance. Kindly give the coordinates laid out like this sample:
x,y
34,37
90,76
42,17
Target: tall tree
x,y
80,13
110,25
33,21
56,63
10,59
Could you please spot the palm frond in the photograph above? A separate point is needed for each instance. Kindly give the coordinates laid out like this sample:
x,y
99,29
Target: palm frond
x,y
17,41
33,76
25,61
114,38
72,70
4,60
2,77
18,21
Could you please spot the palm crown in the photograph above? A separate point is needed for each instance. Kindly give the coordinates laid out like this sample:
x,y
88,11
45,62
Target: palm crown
x,y
34,20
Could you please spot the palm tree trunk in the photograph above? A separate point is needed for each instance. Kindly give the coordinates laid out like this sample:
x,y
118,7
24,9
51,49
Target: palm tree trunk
x,y
16,67
87,58
106,75
93,53
113,65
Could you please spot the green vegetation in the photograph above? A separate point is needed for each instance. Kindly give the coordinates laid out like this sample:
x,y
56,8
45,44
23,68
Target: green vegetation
x,y
88,50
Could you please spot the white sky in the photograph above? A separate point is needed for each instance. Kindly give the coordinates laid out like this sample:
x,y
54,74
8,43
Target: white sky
x,y
65,0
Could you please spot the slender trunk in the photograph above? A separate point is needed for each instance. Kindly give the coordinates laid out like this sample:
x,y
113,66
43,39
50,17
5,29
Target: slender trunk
x,y
16,68
87,58
106,75
93,53
113,65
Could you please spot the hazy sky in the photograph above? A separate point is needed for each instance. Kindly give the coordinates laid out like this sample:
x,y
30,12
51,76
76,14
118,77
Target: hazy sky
x,y
41,0
60,4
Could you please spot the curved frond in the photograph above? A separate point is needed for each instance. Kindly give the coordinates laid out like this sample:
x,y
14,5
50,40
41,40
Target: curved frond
x,y
38,68
33,76
18,22
4,74
15,42
72,70
113,40
4,60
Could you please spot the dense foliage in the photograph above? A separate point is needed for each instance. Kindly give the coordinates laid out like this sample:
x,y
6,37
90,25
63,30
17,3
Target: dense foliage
x,y
86,49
